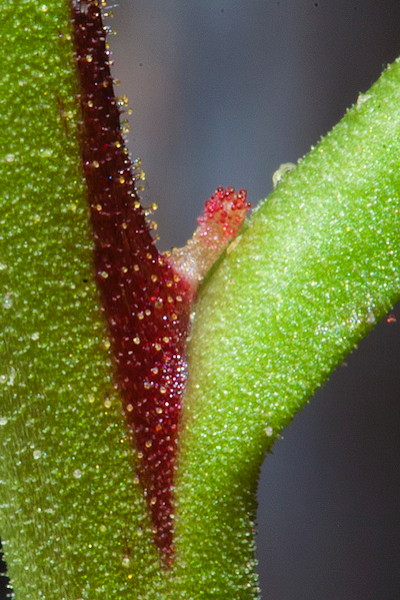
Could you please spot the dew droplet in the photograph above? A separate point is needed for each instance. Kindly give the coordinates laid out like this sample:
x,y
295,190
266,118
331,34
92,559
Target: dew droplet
x,y
280,173
45,152
8,301
126,561
361,99
370,318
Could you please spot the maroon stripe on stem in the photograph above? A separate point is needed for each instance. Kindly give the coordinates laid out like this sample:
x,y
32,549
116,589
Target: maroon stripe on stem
x,y
145,302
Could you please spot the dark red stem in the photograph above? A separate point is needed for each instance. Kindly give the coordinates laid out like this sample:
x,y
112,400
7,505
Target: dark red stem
x,y
146,303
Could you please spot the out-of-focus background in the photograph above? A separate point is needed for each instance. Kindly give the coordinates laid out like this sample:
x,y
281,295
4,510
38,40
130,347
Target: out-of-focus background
x,y
223,91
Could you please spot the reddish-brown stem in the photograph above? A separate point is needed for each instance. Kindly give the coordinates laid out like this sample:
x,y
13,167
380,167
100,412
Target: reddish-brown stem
x,y
146,303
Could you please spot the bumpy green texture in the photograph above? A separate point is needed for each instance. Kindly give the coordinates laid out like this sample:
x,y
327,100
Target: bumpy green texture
x,y
71,515
316,267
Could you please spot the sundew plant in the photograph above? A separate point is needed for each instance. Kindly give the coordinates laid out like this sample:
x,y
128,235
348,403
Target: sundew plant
x,y
141,388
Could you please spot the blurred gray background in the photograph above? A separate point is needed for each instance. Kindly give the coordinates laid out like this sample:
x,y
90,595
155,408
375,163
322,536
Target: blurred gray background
x,y
223,91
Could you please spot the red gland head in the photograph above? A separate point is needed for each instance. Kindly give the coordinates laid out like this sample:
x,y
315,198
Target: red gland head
x,y
220,223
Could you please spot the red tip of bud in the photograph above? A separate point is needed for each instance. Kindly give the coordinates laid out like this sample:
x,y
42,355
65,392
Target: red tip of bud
x,y
223,216
220,223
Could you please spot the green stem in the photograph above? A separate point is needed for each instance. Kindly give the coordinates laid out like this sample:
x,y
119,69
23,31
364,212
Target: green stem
x,y
316,266
72,519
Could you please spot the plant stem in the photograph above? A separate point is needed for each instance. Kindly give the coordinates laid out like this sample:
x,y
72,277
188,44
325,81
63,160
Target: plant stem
x,y
315,267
